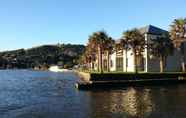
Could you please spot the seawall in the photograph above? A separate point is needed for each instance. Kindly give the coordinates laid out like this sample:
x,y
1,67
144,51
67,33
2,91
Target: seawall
x,y
109,80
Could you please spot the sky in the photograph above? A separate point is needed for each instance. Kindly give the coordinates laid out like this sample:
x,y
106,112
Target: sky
x,y
30,23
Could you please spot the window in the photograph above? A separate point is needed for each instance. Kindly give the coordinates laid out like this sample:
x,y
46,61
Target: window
x,y
119,63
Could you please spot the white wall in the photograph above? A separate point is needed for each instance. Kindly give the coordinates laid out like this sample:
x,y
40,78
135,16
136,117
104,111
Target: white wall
x,y
124,61
152,64
130,56
113,59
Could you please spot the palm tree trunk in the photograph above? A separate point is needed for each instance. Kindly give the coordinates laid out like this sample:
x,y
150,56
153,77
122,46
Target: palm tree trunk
x,y
182,58
101,61
89,64
135,62
108,61
161,64
98,59
126,61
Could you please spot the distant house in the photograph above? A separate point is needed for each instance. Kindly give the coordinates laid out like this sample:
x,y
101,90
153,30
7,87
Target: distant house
x,y
123,60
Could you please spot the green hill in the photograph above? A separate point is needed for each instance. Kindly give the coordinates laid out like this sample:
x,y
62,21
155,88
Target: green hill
x,y
66,55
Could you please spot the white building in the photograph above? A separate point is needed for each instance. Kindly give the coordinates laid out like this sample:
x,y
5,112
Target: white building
x,y
124,60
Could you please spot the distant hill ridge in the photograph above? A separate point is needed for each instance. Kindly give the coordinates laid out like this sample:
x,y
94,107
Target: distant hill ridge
x,y
66,55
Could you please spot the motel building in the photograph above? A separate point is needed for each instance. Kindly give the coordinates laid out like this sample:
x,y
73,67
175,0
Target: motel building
x,y
123,60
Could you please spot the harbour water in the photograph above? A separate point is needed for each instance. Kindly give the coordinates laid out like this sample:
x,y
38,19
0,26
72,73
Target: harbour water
x,y
43,94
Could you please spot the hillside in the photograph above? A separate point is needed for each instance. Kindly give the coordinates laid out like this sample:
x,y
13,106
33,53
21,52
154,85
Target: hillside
x,y
66,55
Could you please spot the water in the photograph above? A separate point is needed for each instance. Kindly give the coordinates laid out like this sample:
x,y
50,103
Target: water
x,y
37,94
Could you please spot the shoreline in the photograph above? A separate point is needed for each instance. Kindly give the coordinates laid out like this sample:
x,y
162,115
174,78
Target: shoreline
x,y
114,80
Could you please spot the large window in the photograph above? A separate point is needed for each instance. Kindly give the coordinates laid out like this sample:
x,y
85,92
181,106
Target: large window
x,y
119,63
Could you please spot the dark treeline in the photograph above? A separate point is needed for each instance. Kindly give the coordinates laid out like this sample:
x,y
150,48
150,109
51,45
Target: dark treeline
x,y
66,55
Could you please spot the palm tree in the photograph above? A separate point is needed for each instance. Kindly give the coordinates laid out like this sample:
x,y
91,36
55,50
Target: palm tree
x,y
97,42
136,42
91,55
88,57
178,36
125,48
161,48
122,45
109,43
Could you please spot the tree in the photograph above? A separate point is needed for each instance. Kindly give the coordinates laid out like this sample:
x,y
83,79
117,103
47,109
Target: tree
x,y
89,56
109,43
136,42
161,47
178,36
97,42
122,45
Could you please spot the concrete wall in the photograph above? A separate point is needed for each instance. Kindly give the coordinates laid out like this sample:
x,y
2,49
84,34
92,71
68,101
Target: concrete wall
x,y
172,62
153,65
83,76
185,50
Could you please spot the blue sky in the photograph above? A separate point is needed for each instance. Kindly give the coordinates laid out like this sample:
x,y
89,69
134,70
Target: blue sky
x,y
29,23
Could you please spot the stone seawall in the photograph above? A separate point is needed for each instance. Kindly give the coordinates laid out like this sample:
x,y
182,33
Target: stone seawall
x,y
84,76
109,80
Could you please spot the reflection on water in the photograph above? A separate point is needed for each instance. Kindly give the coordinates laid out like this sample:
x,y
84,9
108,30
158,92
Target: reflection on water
x,y
138,104
37,94
128,103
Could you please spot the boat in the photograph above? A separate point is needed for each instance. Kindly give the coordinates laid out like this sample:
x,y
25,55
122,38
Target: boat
x,y
57,69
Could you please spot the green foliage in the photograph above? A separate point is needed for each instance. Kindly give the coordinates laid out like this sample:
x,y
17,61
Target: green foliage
x,y
134,39
161,47
99,43
178,31
178,36
42,56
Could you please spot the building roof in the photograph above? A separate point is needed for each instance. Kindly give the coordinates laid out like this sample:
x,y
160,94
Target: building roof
x,y
149,29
